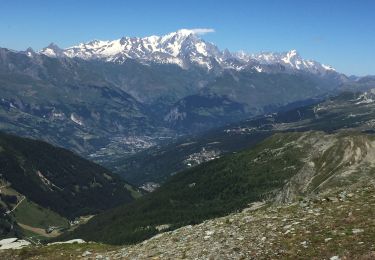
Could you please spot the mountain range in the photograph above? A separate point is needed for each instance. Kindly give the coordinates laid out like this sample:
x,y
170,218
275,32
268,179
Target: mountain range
x,y
184,48
109,99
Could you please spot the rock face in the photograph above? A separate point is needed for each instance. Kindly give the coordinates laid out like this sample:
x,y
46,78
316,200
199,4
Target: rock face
x,y
332,160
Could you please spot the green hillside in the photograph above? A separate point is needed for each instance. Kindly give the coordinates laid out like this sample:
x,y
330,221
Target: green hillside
x,y
59,180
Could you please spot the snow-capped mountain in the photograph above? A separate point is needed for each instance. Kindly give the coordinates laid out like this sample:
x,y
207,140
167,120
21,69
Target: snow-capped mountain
x,y
290,59
183,48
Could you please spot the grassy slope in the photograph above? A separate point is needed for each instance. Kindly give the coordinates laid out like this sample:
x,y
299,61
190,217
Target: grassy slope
x,y
28,217
30,214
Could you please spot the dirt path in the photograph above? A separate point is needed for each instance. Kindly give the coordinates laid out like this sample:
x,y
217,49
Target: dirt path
x,y
10,211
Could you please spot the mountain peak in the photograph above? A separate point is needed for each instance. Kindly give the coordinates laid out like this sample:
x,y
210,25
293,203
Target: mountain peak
x,y
291,56
29,52
52,50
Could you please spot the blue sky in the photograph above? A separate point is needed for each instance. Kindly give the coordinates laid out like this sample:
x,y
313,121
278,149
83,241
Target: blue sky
x,y
340,33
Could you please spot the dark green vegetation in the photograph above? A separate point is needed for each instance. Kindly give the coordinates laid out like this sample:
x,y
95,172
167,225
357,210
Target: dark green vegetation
x,y
346,111
59,180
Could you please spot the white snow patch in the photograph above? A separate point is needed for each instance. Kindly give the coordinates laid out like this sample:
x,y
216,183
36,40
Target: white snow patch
x,y
13,243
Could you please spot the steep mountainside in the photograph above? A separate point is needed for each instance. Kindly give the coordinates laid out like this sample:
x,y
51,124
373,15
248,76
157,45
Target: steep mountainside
x,y
282,168
348,110
57,179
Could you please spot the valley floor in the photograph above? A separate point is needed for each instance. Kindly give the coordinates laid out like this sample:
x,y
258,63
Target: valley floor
x,y
335,225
